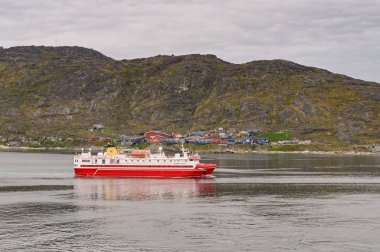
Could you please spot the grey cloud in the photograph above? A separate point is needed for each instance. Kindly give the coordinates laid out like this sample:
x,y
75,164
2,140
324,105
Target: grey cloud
x,y
337,35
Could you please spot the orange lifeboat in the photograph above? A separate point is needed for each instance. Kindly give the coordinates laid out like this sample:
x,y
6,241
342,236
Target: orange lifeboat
x,y
140,153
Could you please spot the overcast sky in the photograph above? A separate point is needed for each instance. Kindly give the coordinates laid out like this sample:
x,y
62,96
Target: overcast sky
x,y
342,36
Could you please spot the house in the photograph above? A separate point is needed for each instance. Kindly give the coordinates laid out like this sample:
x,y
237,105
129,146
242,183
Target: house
x,y
98,126
156,136
219,141
195,134
198,141
172,141
177,135
131,140
261,141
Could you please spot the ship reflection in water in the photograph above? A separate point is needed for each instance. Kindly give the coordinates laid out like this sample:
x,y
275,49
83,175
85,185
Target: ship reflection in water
x,y
142,188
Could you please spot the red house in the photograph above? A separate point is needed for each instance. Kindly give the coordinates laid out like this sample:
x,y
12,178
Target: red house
x,y
156,136
177,135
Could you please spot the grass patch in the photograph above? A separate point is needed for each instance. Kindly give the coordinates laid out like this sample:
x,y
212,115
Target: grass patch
x,y
142,146
199,147
288,147
33,145
318,147
55,144
276,136
101,143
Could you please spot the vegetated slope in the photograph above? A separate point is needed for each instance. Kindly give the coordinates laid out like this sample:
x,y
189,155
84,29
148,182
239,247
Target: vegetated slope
x,y
63,91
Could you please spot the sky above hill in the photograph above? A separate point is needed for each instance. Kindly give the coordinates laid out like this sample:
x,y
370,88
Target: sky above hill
x,y
341,36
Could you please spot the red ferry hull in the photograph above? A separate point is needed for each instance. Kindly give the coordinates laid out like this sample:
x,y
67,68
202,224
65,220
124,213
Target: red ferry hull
x,y
145,171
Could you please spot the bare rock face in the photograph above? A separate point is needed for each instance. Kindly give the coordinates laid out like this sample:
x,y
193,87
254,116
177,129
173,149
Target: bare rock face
x,y
65,90
375,96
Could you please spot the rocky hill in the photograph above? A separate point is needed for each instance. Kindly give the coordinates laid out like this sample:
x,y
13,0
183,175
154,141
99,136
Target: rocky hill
x,y
63,91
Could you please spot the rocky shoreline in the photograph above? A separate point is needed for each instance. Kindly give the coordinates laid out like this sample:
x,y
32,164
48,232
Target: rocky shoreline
x,y
59,150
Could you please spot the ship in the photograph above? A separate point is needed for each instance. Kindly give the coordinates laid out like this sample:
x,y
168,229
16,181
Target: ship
x,y
141,163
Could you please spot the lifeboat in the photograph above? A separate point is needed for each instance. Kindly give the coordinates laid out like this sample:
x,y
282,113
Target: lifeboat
x,y
140,153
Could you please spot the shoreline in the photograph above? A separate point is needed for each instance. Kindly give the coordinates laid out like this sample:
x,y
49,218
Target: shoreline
x,y
59,150
356,153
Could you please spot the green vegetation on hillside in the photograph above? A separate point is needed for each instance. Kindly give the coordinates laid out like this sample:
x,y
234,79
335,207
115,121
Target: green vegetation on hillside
x,y
142,146
276,136
63,91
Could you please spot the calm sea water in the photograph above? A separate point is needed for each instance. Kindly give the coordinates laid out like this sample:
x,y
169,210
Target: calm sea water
x,y
254,202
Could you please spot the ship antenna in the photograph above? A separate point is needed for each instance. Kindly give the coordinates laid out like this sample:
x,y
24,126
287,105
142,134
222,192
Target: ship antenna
x,y
182,148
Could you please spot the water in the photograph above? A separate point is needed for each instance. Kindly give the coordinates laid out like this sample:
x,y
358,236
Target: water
x,y
254,202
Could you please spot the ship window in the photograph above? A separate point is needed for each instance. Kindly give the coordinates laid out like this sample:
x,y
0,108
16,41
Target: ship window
x,y
118,161
96,161
103,161
149,160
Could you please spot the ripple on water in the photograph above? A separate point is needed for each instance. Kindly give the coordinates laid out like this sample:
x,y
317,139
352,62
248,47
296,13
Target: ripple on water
x,y
253,203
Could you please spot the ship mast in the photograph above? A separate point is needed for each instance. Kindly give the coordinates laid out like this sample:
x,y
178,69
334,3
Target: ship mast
x,y
184,151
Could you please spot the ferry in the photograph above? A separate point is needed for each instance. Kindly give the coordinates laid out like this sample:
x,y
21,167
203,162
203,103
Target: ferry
x,y
141,163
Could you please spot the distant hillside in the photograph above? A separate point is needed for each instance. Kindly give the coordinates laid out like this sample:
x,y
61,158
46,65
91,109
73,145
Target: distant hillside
x,y
63,91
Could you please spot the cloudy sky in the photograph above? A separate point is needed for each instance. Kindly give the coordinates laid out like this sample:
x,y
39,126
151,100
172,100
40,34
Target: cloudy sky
x,y
342,36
